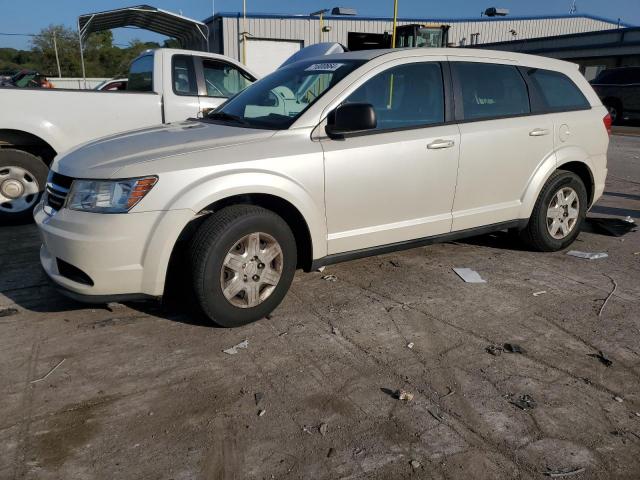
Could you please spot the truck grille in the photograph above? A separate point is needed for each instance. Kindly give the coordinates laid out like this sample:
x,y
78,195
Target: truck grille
x,y
57,189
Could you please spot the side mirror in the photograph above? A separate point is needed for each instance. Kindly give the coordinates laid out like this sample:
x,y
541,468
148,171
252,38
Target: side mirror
x,y
350,118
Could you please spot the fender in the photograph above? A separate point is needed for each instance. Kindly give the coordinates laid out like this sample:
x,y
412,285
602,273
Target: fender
x,y
188,203
561,156
237,182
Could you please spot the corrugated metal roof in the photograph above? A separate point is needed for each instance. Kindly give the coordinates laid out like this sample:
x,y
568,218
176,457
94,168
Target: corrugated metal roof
x,y
190,33
421,19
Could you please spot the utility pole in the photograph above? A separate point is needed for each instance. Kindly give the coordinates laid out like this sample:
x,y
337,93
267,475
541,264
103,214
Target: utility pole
x,y
244,32
395,21
55,48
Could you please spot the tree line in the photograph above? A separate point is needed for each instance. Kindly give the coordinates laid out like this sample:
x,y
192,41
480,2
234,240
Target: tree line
x,y
101,57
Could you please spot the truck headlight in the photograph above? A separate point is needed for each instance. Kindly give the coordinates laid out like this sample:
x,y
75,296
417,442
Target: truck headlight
x,y
108,196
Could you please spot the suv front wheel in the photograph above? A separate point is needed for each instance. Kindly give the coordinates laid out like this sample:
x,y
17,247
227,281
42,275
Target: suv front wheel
x,y
243,259
558,214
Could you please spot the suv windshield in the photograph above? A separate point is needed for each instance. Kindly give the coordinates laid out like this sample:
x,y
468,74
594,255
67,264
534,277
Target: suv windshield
x,y
277,100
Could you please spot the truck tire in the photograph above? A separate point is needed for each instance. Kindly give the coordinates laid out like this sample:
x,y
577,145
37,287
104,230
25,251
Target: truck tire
x,y
558,214
243,259
23,177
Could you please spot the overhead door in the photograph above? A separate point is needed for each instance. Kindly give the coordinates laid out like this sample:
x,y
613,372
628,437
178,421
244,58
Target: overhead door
x,y
264,56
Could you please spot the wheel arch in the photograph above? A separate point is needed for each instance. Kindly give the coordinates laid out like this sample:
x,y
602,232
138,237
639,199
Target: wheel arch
x,y
28,142
281,207
571,159
583,171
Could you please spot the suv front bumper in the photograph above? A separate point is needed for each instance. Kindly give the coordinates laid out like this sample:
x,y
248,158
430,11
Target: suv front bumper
x,y
118,256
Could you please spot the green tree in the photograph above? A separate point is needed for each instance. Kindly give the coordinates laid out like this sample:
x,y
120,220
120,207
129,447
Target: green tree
x,y
101,57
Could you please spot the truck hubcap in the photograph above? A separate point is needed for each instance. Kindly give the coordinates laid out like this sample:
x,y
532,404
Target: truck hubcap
x,y
18,189
562,213
251,270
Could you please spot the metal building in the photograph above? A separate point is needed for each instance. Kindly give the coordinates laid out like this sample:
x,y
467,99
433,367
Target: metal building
x,y
271,39
593,51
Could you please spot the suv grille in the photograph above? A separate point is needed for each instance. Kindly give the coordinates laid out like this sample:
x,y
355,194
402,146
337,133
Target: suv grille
x,y
57,189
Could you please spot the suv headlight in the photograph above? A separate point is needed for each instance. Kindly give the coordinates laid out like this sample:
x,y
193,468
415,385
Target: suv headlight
x,y
108,196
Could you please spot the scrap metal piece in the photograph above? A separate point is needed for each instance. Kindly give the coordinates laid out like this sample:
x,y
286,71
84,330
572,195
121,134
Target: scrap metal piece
x,y
233,350
587,255
469,275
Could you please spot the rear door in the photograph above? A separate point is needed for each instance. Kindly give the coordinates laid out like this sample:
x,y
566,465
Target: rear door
x,y
502,144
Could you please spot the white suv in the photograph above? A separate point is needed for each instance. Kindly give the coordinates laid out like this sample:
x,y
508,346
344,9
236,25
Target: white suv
x,y
327,160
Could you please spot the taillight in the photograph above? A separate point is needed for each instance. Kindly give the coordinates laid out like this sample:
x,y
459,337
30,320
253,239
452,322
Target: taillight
x,y
607,123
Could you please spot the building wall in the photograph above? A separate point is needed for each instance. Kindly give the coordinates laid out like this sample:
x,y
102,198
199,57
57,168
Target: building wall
x,y
226,29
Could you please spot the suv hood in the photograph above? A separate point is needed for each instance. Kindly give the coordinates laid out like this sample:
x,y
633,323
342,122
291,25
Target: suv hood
x,y
103,158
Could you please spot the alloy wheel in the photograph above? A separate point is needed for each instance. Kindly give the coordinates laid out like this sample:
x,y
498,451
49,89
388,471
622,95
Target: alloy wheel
x,y
562,213
251,270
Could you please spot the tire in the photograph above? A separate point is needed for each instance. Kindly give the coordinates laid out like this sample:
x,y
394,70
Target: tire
x,y
614,107
538,232
235,228
23,177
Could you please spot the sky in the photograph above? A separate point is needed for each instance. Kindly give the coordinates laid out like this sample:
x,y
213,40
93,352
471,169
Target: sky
x,y
29,16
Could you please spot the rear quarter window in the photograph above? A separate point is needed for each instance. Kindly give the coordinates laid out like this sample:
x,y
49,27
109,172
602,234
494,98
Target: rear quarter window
x,y
557,91
489,90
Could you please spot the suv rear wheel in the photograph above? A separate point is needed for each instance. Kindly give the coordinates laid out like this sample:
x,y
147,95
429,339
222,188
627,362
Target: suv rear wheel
x,y
23,177
243,259
558,214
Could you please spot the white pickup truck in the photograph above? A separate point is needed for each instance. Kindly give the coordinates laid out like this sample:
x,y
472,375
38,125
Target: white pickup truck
x,y
164,85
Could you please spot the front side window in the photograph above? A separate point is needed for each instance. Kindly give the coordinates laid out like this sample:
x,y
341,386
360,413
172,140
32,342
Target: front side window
x,y
277,100
490,90
224,80
141,75
410,95
557,90
183,75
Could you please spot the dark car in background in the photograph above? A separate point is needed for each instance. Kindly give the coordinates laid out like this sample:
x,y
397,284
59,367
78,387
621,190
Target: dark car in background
x,y
619,90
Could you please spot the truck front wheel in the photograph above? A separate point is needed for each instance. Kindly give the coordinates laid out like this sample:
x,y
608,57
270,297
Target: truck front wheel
x,y
23,177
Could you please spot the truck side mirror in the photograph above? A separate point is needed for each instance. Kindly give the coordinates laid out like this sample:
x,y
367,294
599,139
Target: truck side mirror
x,y
350,118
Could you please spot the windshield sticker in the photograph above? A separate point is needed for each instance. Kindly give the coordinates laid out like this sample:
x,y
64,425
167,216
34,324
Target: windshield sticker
x,y
323,67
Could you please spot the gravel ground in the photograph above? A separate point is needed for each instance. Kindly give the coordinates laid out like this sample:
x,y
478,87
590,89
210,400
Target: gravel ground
x,y
145,391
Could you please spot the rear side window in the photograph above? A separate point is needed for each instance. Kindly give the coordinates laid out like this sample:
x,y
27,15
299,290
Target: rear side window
x,y
557,91
490,90
183,75
141,75
410,95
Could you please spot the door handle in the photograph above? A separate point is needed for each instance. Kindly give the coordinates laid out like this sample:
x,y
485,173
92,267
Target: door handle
x,y
438,144
538,132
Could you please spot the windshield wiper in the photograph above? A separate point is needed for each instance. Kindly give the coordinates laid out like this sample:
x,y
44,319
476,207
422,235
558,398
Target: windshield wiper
x,y
227,116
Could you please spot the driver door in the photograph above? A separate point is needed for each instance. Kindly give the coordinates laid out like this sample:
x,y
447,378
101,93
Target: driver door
x,y
395,183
